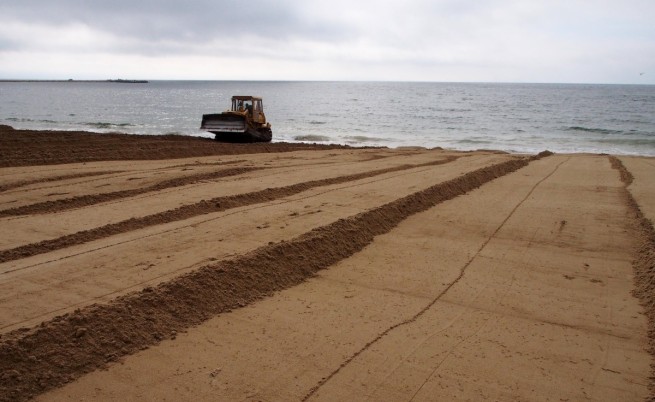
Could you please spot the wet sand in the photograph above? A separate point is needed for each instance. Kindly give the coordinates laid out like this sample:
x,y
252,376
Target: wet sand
x,y
161,268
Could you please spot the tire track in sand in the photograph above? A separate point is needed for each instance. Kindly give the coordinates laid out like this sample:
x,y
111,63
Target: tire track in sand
x,y
421,312
203,207
66,347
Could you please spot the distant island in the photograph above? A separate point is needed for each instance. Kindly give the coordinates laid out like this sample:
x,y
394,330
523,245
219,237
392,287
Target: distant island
x,y
119,80
129,81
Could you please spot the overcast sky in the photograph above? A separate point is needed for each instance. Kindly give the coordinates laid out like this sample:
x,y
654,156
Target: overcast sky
x,y
591,41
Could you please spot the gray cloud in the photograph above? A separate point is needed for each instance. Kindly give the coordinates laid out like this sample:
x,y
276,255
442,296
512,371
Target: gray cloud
x,y
195,21
507,40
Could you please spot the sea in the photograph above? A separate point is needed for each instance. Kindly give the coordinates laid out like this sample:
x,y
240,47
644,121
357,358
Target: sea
x,y
519,118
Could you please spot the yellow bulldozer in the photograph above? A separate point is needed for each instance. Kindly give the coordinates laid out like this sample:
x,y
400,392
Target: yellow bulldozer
x,y
243,122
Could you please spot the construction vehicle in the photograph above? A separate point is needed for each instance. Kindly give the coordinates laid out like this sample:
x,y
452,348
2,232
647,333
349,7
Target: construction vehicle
x,y
244,122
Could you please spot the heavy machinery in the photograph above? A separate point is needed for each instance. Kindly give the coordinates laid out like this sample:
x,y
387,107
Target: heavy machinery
x,y
244,122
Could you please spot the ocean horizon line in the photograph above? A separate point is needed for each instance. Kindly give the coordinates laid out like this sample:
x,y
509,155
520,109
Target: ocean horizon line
x,y
100,80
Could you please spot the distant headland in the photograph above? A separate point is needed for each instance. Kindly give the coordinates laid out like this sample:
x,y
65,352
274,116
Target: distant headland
x,y
120,81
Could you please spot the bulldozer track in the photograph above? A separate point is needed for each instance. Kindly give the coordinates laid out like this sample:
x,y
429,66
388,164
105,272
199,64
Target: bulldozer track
x,y
421,312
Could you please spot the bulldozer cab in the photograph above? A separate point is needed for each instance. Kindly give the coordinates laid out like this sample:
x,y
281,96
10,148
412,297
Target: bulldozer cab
x,y
251,105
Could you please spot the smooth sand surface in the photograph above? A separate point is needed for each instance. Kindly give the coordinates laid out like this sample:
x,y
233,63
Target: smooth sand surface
x,y
519,289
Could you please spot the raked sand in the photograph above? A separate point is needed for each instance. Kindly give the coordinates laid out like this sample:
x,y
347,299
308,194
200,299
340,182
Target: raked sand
x,y
322,274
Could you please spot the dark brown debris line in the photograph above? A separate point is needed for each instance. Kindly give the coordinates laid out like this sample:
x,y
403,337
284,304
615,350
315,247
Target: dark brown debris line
x,y
31,147
189,211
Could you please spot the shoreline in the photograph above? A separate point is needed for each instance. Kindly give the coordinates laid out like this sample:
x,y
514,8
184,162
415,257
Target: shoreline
x,y
191,145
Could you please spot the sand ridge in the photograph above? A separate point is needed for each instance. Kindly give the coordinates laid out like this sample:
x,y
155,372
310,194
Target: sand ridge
x,y
644,264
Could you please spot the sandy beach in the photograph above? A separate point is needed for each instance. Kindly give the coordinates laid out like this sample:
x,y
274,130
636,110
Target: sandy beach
x,y
169,268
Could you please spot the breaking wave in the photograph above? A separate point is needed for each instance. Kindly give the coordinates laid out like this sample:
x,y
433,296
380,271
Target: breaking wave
x,y
107,125
311,138
67,124
362,138
24,120
593,130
